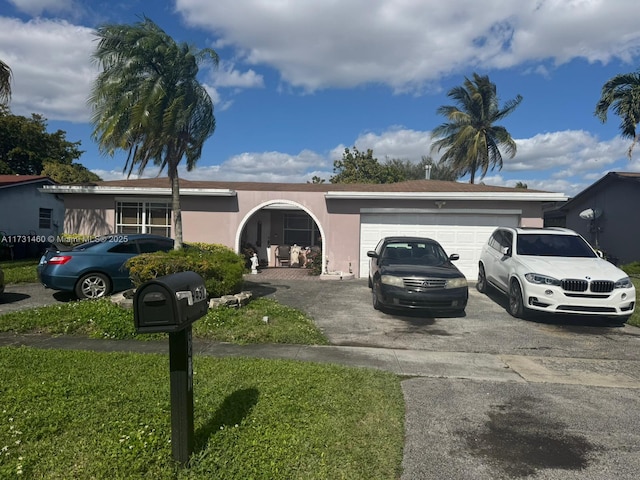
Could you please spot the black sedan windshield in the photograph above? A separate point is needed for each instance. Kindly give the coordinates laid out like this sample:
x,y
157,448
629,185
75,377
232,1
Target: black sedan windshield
x,y
413,253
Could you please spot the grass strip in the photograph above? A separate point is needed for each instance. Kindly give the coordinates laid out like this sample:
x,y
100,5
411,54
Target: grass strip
x,y
102,319
74,414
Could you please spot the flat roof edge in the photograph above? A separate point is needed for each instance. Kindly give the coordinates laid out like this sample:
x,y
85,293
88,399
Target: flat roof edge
x,y
102,190
503,196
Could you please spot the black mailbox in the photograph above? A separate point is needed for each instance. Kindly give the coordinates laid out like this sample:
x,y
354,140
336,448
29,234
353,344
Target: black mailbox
x,y
170,303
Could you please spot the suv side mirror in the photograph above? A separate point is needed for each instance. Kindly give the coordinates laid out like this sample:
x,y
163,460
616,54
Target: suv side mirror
x,y
506,251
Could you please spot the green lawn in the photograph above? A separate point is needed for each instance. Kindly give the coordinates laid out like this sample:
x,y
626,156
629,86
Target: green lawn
x,y
102,319
94,415
73,414
20,271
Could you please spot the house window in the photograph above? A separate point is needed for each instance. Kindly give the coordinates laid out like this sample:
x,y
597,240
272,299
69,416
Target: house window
x,y
45,217
143,217
298,229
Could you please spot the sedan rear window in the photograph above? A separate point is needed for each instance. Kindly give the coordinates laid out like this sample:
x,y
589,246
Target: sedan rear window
x,y
543,245
87,245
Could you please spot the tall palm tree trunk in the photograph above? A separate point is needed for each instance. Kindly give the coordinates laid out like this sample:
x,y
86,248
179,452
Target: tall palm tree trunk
x,y
176,211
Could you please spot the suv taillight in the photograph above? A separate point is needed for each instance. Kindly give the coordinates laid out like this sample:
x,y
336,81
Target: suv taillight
x,y
59,260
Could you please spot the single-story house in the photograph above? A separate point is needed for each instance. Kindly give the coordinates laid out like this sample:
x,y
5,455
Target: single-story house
x,y
27,215
343,221
604,214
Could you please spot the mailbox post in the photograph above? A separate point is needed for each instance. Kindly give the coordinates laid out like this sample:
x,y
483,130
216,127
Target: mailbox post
x,y
181,376
171,304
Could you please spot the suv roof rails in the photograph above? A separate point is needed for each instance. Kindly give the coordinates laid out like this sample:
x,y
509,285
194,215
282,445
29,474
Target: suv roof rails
x,y
559,229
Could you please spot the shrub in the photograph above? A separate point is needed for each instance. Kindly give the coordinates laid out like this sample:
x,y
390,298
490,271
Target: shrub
x,y
247,252
314,262
219,266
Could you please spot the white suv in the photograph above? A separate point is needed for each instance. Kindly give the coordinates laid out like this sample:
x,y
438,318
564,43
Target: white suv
x,y
553,270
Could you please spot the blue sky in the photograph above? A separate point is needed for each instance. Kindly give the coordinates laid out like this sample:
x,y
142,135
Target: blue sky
x,y
299,81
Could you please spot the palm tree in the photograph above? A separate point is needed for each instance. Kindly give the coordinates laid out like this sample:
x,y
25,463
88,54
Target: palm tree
x,y
622,95
470,137
5,83
148,102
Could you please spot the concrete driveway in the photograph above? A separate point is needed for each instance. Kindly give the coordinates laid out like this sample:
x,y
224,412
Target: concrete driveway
x,y
343,310
566,410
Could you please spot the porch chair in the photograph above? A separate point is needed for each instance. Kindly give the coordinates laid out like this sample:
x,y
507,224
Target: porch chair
x,y
283,253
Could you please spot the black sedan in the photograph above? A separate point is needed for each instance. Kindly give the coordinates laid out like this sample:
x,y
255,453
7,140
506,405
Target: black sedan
x,y
415,273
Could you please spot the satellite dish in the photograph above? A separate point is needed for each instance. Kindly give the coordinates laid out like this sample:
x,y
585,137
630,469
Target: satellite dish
x,y
590,213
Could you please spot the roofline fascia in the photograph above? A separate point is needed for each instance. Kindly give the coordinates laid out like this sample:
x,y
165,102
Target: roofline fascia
x,y
29,182
102,190
503,196
609,177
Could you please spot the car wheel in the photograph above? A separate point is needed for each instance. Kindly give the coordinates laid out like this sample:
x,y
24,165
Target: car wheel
x,y
516,303
370,284
481,284
374,298
93,285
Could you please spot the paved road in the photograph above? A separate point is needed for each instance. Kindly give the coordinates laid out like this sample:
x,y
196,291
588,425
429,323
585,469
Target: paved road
x,y
488,396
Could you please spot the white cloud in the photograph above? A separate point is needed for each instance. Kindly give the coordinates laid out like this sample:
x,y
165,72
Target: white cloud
x,y
227,76
577,149
315,44
37,7
52,72
565,162
276,167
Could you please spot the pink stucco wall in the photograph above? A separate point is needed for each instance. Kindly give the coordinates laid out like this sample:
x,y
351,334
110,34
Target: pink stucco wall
x,y
221,219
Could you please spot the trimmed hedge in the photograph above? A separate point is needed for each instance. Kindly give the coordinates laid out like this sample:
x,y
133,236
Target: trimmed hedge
x,y
219,266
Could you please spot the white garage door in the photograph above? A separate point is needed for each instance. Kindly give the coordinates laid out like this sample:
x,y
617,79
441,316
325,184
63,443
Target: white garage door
x,y
461,233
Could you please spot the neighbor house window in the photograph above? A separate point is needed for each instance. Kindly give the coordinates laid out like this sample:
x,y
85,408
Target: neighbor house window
x,y
45,217
298,229
143,217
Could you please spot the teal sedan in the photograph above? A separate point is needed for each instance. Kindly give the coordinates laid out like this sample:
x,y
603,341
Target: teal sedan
x,y
97,268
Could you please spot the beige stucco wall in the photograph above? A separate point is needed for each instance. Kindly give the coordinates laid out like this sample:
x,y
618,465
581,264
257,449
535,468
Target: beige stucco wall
x,y
221,219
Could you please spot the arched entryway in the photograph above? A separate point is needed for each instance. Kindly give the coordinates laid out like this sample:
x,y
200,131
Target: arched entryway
x,y
279,222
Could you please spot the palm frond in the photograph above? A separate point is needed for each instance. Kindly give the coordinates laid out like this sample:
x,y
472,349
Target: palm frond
x,y
470,138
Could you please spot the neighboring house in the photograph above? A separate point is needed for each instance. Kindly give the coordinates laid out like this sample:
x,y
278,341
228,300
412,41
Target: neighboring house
x,y
342,221
27,215
615,228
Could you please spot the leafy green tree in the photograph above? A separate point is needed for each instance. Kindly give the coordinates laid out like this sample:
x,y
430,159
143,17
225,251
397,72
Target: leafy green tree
x,y
622,95
470,138
409,170
69,173
362,167
521,185
356,167
26,146
316,179
5,83
148,102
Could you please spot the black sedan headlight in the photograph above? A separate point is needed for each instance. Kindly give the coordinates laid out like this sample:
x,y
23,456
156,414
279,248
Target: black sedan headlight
x,y
459,282
392,280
